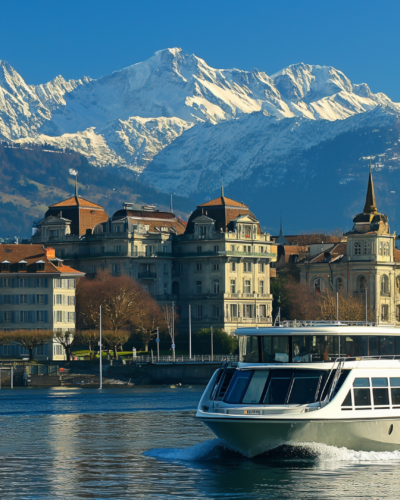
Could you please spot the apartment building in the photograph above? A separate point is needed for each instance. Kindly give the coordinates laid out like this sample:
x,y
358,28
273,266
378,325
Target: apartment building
x,y
218,262
37,291
221,267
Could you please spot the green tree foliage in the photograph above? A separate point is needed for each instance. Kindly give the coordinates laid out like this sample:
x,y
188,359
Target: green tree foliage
x,y
223,343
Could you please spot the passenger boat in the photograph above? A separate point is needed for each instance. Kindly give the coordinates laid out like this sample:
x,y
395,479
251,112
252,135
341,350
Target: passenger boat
x,y
331,383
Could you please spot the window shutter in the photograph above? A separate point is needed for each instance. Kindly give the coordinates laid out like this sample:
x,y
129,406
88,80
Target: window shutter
x,y
17,299
46,299
45,316
46,283
13,283
14,315
1,317
33,298
1,283
29,299
33,316
1,299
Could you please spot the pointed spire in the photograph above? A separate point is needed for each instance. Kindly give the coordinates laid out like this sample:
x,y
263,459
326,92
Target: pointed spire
x,y
281,240
370,204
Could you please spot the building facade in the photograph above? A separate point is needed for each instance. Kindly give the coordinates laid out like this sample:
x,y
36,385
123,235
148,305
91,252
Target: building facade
x,y
37,291
366,264
219,262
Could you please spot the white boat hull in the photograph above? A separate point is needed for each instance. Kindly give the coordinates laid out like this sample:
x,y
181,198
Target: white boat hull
x,y
252,436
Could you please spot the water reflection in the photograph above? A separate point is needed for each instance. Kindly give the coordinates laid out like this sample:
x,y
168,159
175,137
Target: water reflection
x,y
145,444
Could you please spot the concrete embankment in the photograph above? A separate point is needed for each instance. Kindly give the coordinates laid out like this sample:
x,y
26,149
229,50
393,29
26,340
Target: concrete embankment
x,y
87,373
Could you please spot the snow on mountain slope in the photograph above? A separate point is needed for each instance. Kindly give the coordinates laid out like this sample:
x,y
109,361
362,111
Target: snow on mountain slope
x,y
128,117
21,111
131,143
52,93
255,145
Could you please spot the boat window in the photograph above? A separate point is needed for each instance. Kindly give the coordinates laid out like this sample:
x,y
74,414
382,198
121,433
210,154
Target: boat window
x,y
361,382
237,386
379,382
275,349
386,346
362,397
373,349
309,348
278,387
305,387
348,401
248,349
381,397
255,387
356,345
395,381
395,395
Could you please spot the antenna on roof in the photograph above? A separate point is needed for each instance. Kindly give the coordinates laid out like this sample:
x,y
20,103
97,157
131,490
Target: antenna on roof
x,y
171,208
75,172
222,185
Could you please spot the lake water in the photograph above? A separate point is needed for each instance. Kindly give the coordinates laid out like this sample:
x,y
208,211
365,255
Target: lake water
x,y
65,443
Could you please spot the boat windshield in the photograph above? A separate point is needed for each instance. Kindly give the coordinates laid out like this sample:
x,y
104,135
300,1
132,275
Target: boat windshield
x,y
278,387
313,348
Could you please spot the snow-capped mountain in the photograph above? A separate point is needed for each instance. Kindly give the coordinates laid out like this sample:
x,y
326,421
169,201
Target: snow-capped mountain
x,y
128,117
256,147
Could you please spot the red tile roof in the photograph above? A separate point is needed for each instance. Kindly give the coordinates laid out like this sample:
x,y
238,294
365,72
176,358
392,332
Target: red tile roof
x,y
222,200
31,254
76,201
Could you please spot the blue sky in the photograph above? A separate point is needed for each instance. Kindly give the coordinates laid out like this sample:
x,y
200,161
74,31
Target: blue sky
x,y
42,39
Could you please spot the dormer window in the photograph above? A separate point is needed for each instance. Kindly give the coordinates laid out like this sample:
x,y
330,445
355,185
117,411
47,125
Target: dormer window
x,y
5,265
203,231
164,229
40,265
22,265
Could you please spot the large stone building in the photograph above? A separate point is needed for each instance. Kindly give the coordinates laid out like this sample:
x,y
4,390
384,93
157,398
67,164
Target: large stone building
x,y
219,262
365,264
37,291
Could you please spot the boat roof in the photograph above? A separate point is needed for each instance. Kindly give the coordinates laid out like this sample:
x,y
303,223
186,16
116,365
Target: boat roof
x,y
321,329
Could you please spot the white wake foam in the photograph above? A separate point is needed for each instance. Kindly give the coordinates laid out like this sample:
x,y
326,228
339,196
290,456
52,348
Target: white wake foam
x,y
325,453
207,450
217,448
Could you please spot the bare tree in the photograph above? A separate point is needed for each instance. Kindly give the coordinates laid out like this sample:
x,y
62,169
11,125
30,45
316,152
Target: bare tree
x,y
66,339
90,338
147,319
115,339
31,339
120,297
350,308
5,337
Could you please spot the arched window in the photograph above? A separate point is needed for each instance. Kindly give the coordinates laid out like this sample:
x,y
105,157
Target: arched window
x,y
361,284
357,248
339,285
367,248
384,285
398,282
317,285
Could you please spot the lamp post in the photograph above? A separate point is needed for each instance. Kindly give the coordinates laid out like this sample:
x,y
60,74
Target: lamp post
x,y
190,332
101,358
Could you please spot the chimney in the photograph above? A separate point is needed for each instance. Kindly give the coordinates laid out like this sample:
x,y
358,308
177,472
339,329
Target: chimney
x,y
50,253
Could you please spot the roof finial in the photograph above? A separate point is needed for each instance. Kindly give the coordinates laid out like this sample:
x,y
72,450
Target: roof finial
x,y
222,186
370,204
171,208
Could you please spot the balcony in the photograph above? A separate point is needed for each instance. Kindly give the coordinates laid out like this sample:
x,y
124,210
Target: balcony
x,y
147,275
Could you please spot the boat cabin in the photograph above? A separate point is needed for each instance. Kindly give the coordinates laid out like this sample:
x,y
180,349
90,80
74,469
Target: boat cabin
x,y
316,342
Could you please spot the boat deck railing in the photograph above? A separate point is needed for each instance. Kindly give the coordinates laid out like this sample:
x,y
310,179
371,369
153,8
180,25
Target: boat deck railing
x,y
300,323
388,357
